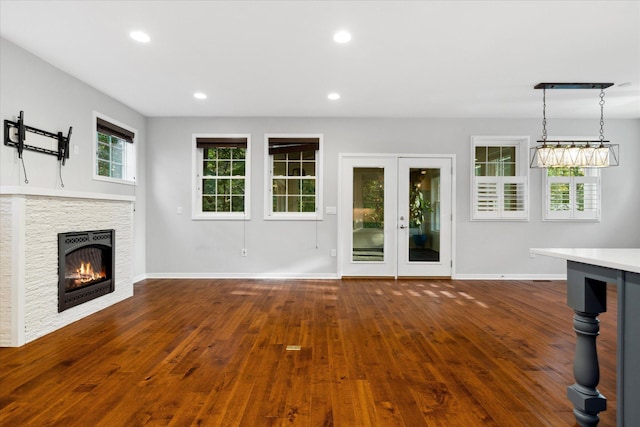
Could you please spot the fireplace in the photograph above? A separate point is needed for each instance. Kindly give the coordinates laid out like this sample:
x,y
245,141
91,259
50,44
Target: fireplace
x,y
85,266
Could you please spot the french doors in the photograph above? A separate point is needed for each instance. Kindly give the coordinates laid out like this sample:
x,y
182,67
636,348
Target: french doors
x,y
396,216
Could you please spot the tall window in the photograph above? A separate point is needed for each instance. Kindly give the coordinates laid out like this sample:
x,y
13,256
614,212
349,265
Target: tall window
x,y
572,193
221,177
500,175
294,165
115,153
435,203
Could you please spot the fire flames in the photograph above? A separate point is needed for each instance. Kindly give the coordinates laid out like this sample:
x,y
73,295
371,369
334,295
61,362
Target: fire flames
x,y
85,274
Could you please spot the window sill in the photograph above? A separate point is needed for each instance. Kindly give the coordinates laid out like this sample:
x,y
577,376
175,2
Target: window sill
x,y
294,217
221,217
114,180
499,219
592,220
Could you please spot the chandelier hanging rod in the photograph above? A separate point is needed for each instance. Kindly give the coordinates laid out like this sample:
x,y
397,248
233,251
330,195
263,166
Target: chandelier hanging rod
x,y
576,141
572,85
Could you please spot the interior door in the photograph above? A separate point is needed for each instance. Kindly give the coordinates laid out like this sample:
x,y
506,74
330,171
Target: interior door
x,y
424,217
395,216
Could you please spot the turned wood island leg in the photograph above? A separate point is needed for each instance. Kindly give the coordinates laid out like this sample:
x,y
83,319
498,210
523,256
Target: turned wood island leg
x,y
587,296
587,400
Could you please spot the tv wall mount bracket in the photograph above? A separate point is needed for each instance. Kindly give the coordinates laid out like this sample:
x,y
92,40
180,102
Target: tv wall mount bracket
x,y
63,141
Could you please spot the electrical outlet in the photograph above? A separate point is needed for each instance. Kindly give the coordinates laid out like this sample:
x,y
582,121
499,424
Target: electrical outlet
x,y
334,252
243,252
76,149
179,210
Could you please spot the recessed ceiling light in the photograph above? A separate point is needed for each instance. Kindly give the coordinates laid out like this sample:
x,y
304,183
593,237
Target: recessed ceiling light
x,y
333,96
342,37
140,36
200,95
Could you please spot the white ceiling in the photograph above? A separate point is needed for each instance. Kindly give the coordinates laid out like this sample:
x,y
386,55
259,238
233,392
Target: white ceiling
x,y
278,58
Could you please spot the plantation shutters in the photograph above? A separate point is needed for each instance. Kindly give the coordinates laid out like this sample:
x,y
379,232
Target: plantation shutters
x,y
572,198
500,197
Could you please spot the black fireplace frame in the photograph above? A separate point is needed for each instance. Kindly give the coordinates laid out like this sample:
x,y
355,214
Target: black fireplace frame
x,y
69,242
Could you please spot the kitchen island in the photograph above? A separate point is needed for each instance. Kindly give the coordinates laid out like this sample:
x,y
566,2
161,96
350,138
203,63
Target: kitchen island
x,y
588,272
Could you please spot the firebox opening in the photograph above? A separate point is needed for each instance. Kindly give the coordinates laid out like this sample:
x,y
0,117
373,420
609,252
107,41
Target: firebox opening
x,y
85,266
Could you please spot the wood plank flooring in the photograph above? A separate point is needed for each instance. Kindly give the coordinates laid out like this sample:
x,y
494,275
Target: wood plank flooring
x,y
371,353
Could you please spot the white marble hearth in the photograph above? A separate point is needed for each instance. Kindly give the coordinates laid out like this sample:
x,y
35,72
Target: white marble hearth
x,y
31,221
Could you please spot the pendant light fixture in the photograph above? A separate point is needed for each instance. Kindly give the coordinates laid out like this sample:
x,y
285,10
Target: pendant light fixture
x,y
564,153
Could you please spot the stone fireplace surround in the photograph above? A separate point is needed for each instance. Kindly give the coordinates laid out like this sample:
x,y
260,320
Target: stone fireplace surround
x,y
31,221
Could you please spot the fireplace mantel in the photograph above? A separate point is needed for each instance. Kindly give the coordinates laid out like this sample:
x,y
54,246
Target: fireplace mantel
x,y
31,220
54,192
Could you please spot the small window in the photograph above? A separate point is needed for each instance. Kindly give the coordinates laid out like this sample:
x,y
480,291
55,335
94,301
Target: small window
x,y
293,182
221,177
500,175
572,194
115,151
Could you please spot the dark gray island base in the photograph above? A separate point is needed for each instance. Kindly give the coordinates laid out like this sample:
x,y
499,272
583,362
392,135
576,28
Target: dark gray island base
x,y
588,272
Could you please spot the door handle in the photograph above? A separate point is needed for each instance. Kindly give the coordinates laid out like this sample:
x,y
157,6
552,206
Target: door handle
x,y
403,227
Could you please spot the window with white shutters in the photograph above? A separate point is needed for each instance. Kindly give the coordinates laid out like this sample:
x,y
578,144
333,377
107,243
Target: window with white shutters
x,y
499,179
572,194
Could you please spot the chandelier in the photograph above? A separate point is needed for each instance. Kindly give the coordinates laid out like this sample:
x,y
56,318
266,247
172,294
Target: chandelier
x,y
568,153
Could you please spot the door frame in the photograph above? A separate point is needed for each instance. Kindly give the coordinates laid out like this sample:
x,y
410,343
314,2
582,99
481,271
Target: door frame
x,y
344,240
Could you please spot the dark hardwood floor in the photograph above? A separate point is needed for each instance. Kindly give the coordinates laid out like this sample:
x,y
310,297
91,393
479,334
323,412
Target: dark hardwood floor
x,y
371,353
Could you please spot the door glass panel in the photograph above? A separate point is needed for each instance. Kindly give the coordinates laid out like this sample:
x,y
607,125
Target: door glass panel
x,y
424,215
368,215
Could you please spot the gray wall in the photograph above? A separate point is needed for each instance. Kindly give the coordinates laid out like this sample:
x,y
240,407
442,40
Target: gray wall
x,y
178,246
169,244
53,100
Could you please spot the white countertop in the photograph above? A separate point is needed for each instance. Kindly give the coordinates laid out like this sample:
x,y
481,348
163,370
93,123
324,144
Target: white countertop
x,y
619,259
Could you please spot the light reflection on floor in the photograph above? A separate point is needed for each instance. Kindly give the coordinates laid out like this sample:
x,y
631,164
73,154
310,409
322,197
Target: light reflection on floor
x,y
418,291
331,292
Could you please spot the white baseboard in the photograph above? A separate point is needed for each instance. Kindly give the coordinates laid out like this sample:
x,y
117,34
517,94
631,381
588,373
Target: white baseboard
x,y
510,277
267,275
329,276
139,278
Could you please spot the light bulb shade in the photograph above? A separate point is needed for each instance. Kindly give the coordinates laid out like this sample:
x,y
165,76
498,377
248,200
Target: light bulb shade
x,y
543,156
574,154
602,156
557,156
586,156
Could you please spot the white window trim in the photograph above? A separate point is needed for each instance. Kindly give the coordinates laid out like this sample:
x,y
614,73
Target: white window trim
x,y
131,151
572,215
521,143
196,190
268,176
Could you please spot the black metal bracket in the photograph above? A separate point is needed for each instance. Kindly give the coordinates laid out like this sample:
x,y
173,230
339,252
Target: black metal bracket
x,y
63,141
572,85
577,141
